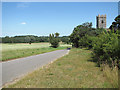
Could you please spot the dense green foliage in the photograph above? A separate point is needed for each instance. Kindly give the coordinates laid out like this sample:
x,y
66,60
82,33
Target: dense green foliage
x,y
82,35
116,24
54,40
105,44
106,49
24,39
31,39
65,39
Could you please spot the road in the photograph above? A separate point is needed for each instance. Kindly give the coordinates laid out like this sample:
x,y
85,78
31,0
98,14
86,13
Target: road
x,y
15,68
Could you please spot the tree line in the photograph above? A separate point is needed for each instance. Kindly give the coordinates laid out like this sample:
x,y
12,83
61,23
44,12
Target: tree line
x,y
31,39
105,44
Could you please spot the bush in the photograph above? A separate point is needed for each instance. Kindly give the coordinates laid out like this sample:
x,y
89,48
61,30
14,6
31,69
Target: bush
x,y
106,48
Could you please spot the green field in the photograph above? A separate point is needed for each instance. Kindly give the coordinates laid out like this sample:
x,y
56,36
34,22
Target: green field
x,y
75,70
13,51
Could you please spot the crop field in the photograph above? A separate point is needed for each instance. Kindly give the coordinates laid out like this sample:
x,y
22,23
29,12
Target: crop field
x,y
8,47
12,51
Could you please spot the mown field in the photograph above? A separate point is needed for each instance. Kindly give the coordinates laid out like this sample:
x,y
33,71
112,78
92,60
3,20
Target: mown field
x,y
75,70
13,51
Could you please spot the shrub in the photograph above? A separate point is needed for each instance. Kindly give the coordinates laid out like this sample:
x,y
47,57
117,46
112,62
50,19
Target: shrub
x,y
106,49
54,41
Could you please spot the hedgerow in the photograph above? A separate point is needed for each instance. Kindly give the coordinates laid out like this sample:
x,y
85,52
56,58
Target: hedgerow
x,y
105,44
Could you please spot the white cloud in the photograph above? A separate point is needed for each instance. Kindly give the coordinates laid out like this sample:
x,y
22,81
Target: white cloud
x,y
23,23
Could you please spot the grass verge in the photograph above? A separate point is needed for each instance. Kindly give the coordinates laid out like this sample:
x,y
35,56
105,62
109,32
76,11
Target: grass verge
x,y
111,75
74,70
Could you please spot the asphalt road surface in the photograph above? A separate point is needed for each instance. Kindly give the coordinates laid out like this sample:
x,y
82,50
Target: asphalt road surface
x,y
15,68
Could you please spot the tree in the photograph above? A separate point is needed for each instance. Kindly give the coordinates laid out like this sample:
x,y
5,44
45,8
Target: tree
x,y
80,36
32,39
116,24
79,32
54,40
27,39
65,39
87,24
57,34
7,39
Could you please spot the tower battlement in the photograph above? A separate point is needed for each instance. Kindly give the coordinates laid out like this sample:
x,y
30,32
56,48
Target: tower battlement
x,y
101,15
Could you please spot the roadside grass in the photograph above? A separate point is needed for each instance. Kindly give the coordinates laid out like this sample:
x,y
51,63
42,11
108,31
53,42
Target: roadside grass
x,y
111,75
74,70
13,51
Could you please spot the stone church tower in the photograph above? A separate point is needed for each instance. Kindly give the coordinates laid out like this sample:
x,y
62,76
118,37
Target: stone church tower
x,y
101,21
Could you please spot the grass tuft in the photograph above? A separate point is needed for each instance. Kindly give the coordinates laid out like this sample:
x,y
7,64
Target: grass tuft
x,y
111,75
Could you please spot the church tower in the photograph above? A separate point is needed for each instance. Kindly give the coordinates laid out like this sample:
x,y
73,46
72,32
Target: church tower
x,y
101,21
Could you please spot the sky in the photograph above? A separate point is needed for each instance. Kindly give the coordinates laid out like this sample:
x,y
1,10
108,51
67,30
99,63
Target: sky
x,y
43,18
119,8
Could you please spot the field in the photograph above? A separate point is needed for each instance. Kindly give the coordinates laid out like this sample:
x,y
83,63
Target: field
x,y
12,51
75,70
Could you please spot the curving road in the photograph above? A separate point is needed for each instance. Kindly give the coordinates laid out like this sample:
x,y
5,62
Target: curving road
x,y
16,68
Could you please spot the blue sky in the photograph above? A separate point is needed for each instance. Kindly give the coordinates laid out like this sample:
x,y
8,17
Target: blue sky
x,y
43,18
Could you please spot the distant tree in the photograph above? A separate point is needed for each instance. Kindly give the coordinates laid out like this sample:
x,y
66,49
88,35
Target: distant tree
x,y
54,40
27,39
65,39
7,39
87,24
32,39
0,40
56,34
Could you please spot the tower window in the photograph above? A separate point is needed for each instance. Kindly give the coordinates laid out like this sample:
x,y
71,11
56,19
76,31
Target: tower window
x,y
102,21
